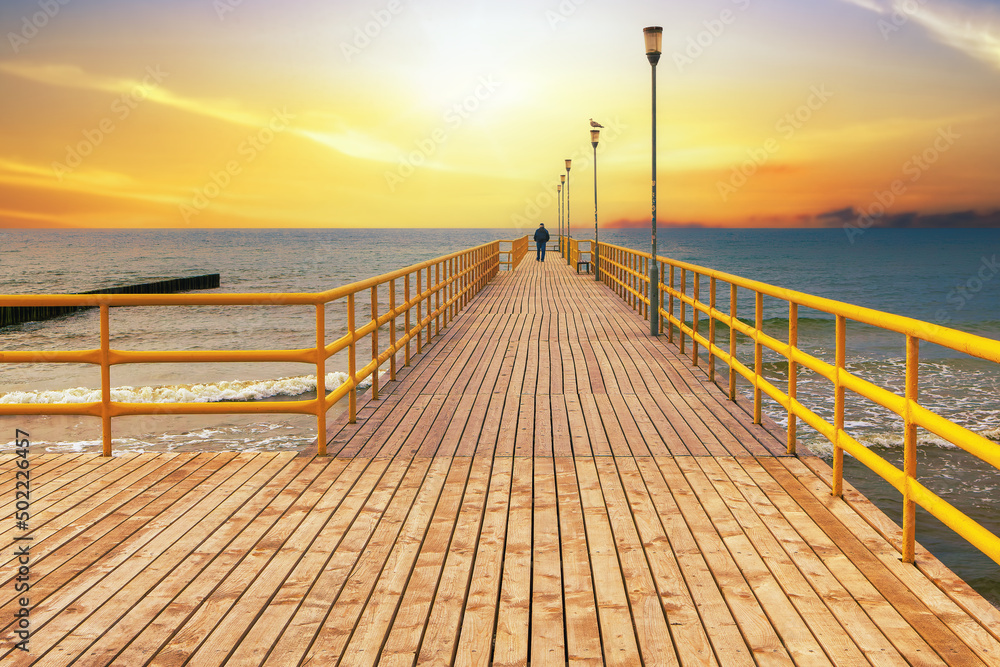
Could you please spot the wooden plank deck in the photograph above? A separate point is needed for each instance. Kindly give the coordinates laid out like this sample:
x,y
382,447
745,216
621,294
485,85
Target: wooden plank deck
x,y
545,485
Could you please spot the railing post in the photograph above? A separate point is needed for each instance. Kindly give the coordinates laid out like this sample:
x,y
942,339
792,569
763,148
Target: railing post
x,y
437,296
622,274
758,354
375,342
680,331
409,331
320,379
106,379
452,308
618,273
643,272
420,311
646,262
838,407
694,318
659,312
793,372
711,329
352,362
670,302
392,328
732,341
617,258
632,282
910,448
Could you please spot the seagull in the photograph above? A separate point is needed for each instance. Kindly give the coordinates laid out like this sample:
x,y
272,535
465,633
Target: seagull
x,y
594,123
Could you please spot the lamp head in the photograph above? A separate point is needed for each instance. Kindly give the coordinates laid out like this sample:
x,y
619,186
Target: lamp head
x,y
568,163
595,136
559,188
562,177
654,43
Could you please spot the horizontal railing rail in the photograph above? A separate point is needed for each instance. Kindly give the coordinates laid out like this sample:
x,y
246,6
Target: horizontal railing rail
x,y
433,292
578,254
627,272
512,256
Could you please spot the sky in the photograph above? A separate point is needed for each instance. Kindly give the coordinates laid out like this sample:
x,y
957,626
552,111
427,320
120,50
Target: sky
x,y
459,113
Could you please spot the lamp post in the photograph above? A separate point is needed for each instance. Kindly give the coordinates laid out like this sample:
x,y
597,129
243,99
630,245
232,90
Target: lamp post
x,y
562,203
595,136
653,37
568,258
558,216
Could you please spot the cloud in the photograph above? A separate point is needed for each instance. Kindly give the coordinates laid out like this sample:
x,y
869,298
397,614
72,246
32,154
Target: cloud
x,y
355,144
345,140
870,5
952,219
91,182
974,31
969,27
840,215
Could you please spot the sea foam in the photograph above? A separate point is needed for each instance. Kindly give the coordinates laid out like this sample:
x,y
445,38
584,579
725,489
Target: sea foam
x,y
205,392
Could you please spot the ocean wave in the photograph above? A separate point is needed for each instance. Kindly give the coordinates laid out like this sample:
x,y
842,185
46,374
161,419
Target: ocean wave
x,y
255,437
203,392
894,440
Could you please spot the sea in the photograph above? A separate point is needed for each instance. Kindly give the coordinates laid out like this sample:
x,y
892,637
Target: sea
x,y
949,277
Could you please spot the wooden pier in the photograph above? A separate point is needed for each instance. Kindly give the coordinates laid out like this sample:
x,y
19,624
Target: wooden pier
x,y
546,484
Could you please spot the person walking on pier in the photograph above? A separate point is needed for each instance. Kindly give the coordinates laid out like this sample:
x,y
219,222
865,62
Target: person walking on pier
x,y
541,239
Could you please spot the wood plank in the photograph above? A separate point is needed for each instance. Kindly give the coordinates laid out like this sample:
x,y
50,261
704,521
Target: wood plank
x,y
880,564
755,626
207,564
619,643
547,621
687,632
302,581
583,637
752,481
647,613
838,645
475,645
303,522
407,630
366,558
444,623
512,631
117,568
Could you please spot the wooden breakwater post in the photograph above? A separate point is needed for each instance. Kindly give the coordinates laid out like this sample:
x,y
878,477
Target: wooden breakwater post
x,y
11,315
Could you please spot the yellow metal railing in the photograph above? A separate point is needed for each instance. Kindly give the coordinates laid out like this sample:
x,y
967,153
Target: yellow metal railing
x,y
578,254
512,256
441,287
627,272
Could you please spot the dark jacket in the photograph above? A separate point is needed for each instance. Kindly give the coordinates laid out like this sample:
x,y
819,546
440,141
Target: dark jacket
x,y
541,235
